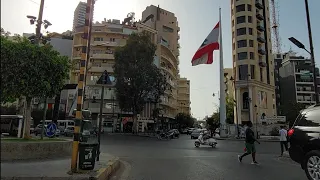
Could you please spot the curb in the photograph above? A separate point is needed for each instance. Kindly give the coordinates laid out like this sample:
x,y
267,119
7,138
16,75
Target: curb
x,y
105,173
261,140
139,135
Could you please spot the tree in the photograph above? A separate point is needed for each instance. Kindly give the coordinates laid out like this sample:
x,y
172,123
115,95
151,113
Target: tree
x,y
291,110
213,122
30,71
138,79
184,120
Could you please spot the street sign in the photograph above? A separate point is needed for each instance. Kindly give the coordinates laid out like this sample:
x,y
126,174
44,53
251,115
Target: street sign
x,y
104,79
51,129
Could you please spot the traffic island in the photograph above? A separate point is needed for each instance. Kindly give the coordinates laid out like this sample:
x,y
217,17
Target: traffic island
x,y
59,168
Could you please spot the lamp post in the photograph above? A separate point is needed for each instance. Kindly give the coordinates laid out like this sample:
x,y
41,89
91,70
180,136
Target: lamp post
x,y
36,41
311,52
248,98
255,107
236,101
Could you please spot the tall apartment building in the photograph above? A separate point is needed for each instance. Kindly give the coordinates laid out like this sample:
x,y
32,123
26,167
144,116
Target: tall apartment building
x,y
105,38
79,15
184,96
252,59
296,80
277,65
166,24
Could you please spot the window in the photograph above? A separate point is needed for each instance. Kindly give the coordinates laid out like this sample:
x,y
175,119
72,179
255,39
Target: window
x,y
241,31
242,55
252,71
309,118
251,55
243,72
98,39
261,74
240,8
112,39
250,31
241,19
250,43
245,100
242,43
249,7
167,29
249,19
232,23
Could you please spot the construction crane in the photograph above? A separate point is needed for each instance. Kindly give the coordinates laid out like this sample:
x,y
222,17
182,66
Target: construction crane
x,y
276,42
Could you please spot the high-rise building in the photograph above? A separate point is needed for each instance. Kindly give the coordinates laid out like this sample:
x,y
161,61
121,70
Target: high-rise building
x,y
296,80
252,59
105,38
166,24
184,96
79,15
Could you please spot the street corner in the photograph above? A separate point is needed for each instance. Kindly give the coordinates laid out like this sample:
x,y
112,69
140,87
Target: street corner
x,y
107,168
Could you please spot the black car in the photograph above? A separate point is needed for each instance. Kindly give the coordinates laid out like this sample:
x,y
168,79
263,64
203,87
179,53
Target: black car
x,y
304,138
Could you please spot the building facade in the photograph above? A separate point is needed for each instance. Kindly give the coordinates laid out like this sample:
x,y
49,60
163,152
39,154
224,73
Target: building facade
x,y
166,24
252,60
79,15
229,82
184,96
277,65
296,80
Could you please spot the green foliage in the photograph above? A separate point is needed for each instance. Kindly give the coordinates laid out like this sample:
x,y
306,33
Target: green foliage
x,y
230,104
291,110
30,71
138,79
184,120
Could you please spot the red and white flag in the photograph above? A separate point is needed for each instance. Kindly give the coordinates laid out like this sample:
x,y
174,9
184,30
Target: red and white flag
x,y
204,54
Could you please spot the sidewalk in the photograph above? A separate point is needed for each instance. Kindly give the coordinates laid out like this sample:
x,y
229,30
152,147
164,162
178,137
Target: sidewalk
x,y
262,138
59,168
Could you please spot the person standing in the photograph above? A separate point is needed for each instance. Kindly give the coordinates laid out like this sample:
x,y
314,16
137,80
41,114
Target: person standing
x,y
283,139
250,147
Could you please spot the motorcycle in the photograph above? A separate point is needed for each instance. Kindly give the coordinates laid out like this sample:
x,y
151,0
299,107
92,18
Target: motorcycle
x,y
207,141
165,135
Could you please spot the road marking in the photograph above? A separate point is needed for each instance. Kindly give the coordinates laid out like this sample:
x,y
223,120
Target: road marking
x,y
163,157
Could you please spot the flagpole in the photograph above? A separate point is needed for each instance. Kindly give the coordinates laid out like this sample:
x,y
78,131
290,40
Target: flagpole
x,y
222,85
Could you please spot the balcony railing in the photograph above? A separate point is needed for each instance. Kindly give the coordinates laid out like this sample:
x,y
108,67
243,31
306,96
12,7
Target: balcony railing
x,y
259,16
261,39
259,4
261,51
260,28
102,56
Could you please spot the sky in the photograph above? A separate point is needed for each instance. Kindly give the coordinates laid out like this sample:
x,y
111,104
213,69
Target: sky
x,y
196,19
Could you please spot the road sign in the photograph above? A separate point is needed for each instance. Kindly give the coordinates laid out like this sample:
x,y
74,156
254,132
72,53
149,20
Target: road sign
x,y
51,129
104,79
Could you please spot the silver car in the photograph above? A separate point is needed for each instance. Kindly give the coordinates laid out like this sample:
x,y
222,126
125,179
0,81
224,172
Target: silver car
x,y
196,133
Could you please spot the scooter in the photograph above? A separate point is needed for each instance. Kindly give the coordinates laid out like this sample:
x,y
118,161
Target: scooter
x,y
165,135
210,141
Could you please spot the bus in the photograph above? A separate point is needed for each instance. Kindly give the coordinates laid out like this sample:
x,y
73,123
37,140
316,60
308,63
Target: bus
x,y
12,125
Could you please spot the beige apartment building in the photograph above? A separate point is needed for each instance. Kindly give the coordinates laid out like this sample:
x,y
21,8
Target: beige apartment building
x,y
106,36
184,96
166,24
253,66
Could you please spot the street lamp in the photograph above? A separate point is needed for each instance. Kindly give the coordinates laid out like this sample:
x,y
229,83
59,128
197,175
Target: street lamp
x,y
255,107
300,45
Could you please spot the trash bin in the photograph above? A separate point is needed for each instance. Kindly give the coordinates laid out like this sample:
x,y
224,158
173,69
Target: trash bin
x,y
87,155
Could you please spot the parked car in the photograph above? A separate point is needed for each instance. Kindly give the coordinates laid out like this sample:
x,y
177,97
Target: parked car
x,y
190,130
69,131
304,138
196,133
176,133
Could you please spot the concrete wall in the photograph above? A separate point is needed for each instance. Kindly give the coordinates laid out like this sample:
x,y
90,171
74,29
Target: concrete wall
x,y
34,150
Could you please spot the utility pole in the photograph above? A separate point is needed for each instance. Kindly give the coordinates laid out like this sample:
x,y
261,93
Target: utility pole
x,y
81,87
39,23
312,53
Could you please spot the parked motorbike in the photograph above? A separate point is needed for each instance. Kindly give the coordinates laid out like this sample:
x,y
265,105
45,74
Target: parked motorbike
x,y
165,135
205,141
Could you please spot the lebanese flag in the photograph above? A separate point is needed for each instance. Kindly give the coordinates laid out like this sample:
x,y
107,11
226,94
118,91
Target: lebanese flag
x,y
204,54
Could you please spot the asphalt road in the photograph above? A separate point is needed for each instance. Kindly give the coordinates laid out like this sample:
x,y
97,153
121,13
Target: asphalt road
x,y
178,159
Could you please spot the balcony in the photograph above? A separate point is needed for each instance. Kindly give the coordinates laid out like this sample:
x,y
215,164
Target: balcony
x,y
169,60
261,39
105,43
259,16
178,36
261,51
262,63
101,69
259,4
102,56
260,28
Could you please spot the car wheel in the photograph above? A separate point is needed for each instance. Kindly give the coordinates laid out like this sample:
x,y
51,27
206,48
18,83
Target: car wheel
x,y
311,164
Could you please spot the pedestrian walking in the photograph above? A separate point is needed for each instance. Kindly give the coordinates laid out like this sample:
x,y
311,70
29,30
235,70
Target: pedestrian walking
x,y
283,139
249,142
